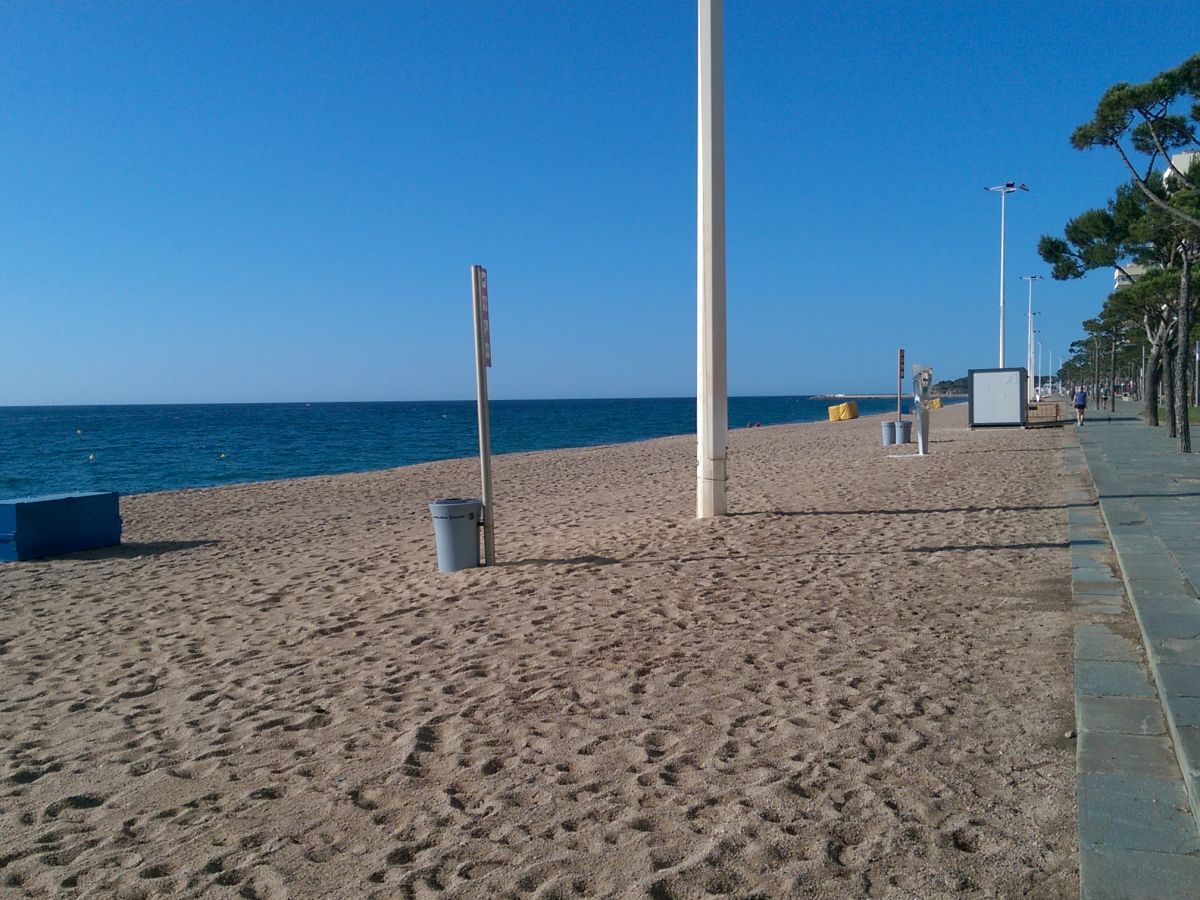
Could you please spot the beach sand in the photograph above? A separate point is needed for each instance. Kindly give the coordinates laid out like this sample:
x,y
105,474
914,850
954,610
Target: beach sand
x,y
857,684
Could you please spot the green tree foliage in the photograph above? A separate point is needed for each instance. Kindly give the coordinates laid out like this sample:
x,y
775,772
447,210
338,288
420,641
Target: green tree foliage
x,y
1156,118
951,386
1153,221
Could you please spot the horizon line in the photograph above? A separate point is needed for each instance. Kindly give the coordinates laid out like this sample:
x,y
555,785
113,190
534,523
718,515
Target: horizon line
x,y
818,395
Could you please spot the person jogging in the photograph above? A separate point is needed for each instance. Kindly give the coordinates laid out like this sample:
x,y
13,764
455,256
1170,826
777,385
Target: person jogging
x,y
1080,404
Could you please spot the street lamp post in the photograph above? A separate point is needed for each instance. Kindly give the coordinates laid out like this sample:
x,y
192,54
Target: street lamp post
x,y
1029,332
1003,190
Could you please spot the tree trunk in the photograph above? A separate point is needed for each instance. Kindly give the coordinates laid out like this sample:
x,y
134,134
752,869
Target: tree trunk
x,y
1169,387
1112,375
1183,341
1096,373
1152,363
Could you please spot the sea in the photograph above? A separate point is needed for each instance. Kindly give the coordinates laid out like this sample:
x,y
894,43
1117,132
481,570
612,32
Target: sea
x,y
139,449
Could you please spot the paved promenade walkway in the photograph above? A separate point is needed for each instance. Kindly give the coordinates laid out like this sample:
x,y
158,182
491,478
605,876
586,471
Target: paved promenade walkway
x,y
1137,687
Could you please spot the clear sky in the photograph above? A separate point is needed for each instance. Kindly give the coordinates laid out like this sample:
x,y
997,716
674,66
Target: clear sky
x,y
271,201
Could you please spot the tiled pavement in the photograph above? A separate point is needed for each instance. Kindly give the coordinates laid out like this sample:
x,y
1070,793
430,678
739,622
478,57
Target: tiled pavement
x,y
1137,676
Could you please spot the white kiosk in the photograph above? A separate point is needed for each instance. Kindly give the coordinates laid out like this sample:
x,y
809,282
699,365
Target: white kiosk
x,y
996,397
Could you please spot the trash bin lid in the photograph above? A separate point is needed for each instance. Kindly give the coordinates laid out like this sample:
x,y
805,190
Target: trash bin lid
x,y
456,501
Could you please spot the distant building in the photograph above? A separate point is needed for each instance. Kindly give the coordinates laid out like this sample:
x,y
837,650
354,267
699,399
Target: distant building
x,y
1132,273
1183,162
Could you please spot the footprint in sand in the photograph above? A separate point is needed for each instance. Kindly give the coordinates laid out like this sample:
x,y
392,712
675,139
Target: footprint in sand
x,y
77,801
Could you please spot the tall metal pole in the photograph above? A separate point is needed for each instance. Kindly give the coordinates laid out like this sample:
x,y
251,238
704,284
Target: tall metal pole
x,y
1029,333
1003,190
712,411
1003,196
483,359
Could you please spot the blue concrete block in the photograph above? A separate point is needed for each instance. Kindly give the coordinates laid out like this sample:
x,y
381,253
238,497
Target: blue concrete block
x,y
1085,608
1179,681
1089,572
1120,715
1163,601
1135,813
1187,745
1185,711
1111,872
32,527
1109,586
1160,625
1098,642
1149,756
1180,651
1111,679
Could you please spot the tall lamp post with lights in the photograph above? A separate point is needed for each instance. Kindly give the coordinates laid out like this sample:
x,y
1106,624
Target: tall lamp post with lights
x,y
1003,190
1029,333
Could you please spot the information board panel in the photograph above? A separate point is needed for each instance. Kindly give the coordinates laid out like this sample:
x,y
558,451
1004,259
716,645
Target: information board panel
x,y
996,396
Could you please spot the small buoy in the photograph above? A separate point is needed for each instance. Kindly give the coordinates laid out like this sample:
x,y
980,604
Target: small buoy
x,y
79,431
222,456
91,457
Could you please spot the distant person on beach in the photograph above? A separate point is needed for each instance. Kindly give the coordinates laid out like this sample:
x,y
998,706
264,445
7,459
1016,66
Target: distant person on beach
x,y
1080,404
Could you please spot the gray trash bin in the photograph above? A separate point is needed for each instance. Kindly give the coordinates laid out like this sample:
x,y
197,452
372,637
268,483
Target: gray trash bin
x,y
903,432
456,529
889,432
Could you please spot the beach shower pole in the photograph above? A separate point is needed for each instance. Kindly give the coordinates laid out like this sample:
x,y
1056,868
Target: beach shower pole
x,y
483,361
899,385
712,393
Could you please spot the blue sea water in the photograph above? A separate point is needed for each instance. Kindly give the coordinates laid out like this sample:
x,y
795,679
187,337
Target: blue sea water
x,y
135,449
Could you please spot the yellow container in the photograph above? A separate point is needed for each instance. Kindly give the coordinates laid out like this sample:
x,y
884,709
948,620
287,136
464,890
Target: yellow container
x,y
843,411
935,403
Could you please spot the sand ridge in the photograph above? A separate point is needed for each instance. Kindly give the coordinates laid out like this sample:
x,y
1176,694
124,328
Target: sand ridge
x,y
856,685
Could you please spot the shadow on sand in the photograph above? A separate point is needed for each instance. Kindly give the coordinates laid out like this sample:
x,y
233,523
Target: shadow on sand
x,y
134,551
691,558
574,560
914,512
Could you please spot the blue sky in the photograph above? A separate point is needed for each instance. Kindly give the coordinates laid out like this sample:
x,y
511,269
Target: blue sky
x,y
281,201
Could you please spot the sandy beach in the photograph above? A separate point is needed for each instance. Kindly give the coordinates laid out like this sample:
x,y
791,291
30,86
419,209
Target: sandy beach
x,y
856,685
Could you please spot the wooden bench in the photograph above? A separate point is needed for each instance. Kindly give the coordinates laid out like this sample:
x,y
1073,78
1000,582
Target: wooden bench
x,y
1041,412
32,527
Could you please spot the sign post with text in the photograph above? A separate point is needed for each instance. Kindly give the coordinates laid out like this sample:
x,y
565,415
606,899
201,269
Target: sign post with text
x,y
900,386
483,361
